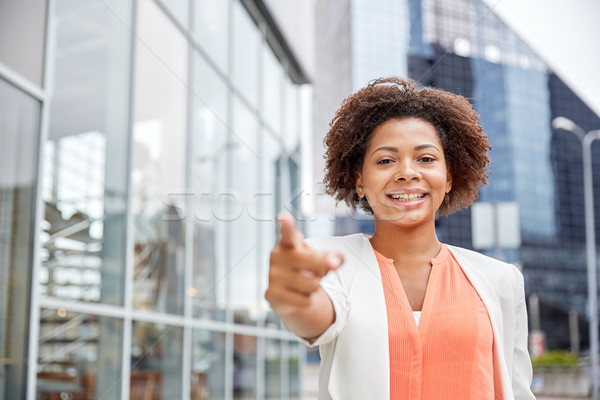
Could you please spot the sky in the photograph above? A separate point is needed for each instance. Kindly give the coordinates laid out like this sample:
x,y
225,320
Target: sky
x,y
564,33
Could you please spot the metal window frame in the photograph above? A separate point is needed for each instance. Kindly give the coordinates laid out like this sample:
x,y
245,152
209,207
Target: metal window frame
x,y
43,95
260,12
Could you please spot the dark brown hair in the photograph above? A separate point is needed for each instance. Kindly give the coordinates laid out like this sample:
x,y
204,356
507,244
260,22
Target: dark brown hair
x,y
464,143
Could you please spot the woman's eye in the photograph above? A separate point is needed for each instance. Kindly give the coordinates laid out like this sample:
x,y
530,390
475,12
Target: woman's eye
x,y
386,161
427,159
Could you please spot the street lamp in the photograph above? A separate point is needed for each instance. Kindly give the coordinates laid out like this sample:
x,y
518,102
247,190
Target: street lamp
x,y
565,124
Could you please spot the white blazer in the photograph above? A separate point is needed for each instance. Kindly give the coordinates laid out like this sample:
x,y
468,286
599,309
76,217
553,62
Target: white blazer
x,y
354,350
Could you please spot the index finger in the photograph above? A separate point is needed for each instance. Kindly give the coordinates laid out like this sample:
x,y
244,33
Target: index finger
x,y
290,237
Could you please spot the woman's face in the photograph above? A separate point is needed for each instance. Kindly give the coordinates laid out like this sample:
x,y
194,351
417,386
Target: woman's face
x,y
404,175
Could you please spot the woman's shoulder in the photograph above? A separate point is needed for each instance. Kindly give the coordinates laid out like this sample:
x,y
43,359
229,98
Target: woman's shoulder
x,y
476,256
489,266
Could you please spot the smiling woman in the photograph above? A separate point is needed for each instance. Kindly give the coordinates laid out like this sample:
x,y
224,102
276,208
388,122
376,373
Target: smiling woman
x,y
399,315
453,118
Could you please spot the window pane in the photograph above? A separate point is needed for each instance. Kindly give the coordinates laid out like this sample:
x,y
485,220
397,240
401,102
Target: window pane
x,y
19,128
273,370
211,21
156,362
291,132
244,367
241,223
273,89
85,163
179,9
291,199
79,356
209,178
294,370
208,365
245,53
269,186
22,33
159,170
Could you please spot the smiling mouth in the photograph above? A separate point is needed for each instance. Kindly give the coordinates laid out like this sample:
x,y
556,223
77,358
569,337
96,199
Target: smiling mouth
x,y
407,197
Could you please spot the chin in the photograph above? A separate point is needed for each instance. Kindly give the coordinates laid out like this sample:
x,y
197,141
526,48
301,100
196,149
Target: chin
x,y
407,219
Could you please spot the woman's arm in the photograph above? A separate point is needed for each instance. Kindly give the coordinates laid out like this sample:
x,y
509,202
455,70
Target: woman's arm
x,y
294,290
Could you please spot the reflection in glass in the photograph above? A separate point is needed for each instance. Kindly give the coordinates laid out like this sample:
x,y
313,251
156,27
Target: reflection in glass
x,y
242,221
291,131
273,101
24,20
79,356
209,135
294,349
244,367
267,210
156,362
179,9
292,200
206,286
211,22
244,279
245,53
85,162
208,365
273,369
19,127
159,163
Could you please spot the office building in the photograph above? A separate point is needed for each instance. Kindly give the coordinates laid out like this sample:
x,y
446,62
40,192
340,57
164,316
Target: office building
x,y
146,148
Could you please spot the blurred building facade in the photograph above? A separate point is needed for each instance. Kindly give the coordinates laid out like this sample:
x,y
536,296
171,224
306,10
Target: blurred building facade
x,y
463,47
146,148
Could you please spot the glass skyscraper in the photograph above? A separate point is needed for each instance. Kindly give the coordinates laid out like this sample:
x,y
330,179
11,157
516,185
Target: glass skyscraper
x,y
146,147
463,47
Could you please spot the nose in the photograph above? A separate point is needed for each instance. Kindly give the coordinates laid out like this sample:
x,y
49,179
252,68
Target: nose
x,y
407,172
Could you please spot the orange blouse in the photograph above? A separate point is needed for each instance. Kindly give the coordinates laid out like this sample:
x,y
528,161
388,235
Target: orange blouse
x,y
450,354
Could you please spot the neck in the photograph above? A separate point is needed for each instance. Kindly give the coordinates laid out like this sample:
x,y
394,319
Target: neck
x,y
406,245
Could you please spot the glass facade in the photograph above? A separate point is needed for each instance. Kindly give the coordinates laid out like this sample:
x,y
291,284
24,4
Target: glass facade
x,y
147,146
463,47
379,41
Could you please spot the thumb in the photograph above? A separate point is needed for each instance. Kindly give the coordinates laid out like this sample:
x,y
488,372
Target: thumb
x,y
290,237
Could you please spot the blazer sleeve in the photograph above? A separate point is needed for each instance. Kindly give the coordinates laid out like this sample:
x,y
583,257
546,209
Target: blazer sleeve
x,y
333,285
522,372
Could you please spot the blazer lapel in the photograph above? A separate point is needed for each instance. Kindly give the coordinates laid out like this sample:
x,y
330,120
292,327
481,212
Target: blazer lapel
x,y
361,366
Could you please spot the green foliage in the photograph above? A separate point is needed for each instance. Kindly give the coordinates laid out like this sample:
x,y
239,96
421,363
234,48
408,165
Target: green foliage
x,y
556,359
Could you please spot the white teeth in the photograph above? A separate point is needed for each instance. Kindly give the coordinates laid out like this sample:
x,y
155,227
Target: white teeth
x,y
407,197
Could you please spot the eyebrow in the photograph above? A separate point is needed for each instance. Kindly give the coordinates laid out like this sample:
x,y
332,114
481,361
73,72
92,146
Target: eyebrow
x,y
395,149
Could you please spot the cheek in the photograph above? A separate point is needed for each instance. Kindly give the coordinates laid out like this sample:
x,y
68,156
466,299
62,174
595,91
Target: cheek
x,y
371,178
442,182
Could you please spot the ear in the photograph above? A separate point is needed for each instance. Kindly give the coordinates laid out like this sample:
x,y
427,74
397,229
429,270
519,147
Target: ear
x,y
359,184
448,181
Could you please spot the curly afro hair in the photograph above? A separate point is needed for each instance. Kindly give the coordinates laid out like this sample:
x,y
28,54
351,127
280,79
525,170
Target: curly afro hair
x,y
463,140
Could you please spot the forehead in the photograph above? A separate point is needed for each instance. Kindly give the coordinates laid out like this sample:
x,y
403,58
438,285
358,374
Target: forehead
x,y
408,131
